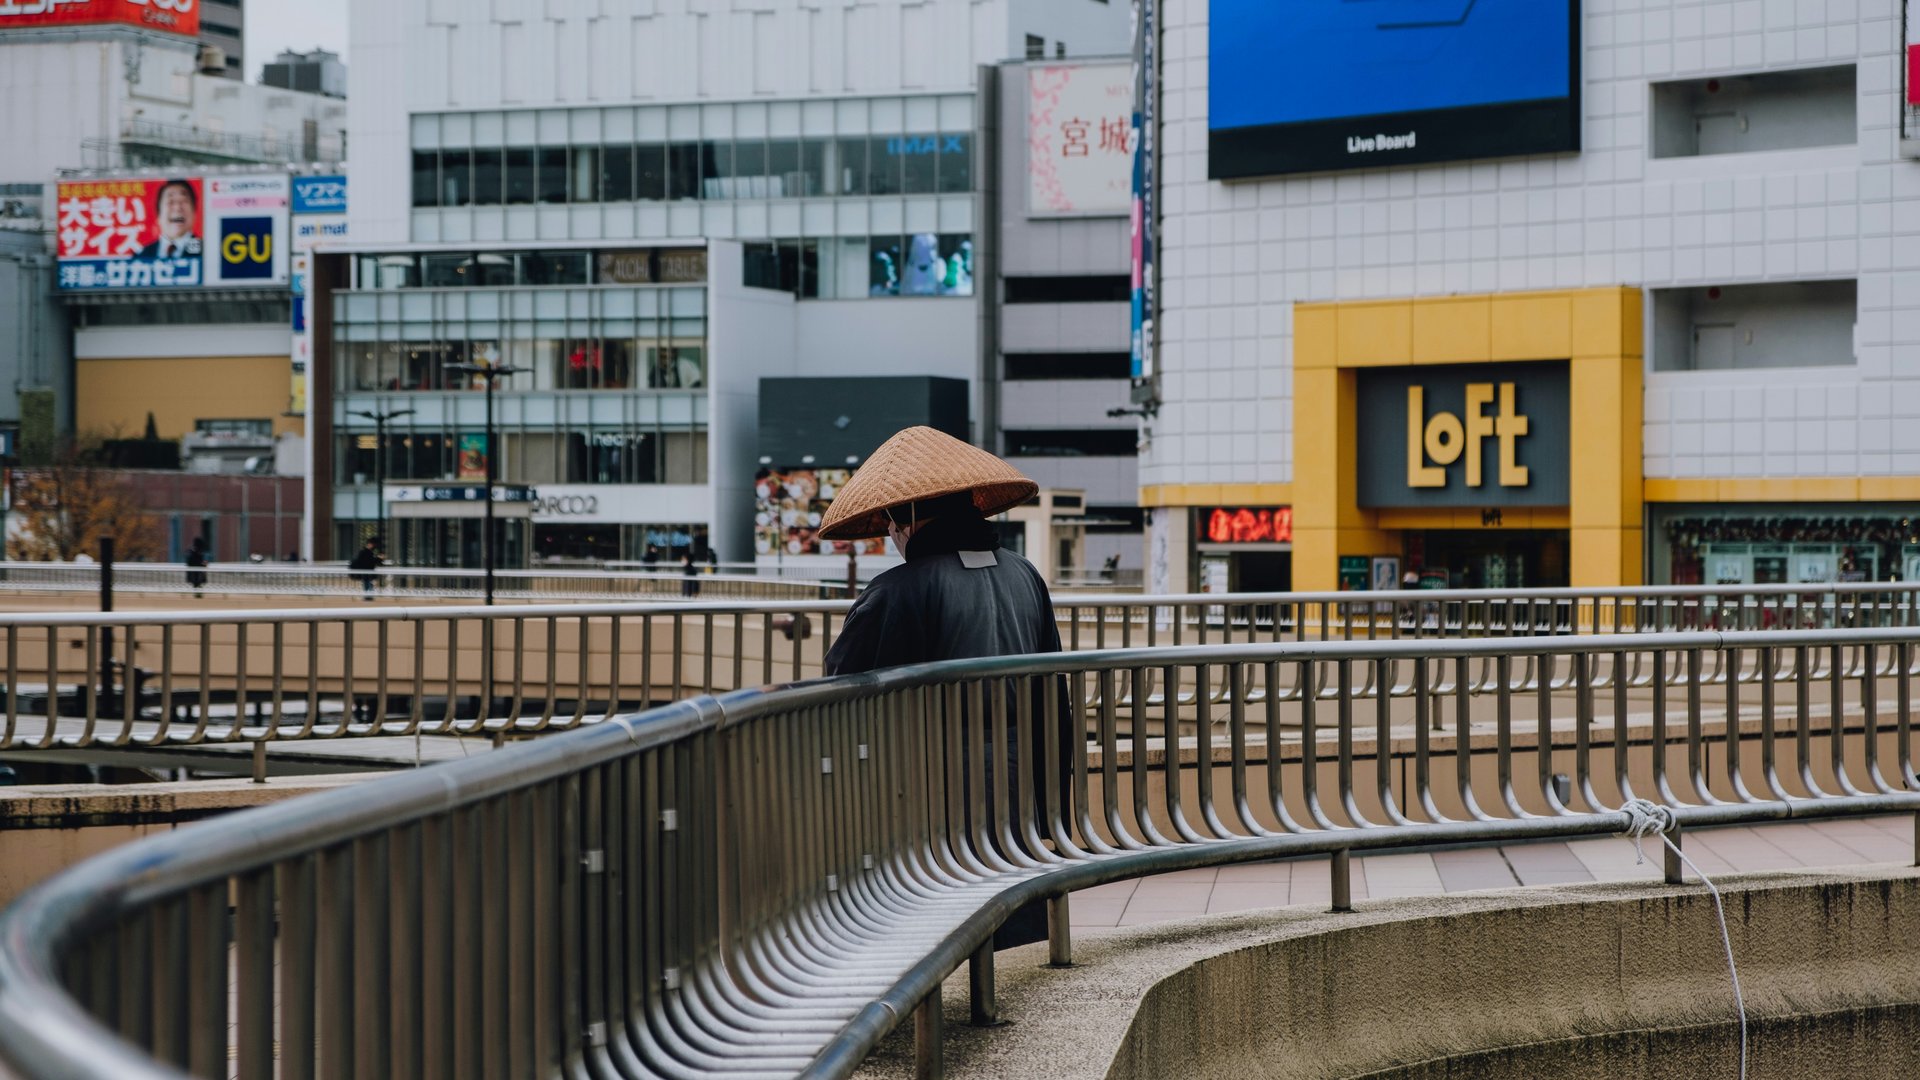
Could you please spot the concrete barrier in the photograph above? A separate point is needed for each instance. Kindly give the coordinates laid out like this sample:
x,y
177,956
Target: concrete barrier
x,y
1573,982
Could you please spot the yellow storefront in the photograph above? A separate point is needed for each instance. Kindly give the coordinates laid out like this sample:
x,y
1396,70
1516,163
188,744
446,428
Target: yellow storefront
x,y
1450,475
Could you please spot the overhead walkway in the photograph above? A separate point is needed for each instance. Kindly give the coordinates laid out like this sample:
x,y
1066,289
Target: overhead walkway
x,y
768,881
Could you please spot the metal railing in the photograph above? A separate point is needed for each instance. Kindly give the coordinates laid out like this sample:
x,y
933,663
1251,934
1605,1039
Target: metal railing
x,y
768,882
249,678
405,582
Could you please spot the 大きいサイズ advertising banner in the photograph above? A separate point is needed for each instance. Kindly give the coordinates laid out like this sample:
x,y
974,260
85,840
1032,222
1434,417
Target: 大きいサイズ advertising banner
x,y
126,234
172,232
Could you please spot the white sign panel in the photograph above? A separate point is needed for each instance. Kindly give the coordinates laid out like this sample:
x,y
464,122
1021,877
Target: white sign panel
x,y
247,224
313,229
595,504
1080,140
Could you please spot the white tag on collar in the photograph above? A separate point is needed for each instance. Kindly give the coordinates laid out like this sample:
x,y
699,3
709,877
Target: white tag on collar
x,y
977,560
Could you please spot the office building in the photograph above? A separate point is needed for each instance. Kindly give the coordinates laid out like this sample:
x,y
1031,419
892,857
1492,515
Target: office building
x,y
649,211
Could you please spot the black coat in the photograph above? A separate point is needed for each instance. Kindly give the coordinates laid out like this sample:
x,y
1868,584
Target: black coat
x,y
937,607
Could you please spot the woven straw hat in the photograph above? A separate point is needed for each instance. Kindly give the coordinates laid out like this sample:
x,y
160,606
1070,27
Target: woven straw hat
x,y
918,464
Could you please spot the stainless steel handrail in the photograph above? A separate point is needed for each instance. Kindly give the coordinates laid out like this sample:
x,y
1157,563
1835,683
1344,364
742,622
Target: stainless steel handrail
x,y
767,882
244,677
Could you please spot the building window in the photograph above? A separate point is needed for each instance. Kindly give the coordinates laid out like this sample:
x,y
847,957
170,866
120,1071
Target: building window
x,y
1770,325
851,162
1095,442
456,177
921,264
257,429
426,178
1021,367
520,184
1103,289
1773,110
553,174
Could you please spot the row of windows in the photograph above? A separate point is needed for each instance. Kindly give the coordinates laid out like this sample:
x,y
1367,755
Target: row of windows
x,y
918,164
1047,366
917,264
463,269
666,454
543,363
1094,442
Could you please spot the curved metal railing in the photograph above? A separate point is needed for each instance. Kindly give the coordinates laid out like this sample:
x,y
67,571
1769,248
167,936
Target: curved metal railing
x,y
247,679
767,882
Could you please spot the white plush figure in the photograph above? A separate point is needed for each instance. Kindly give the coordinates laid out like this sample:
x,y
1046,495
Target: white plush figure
x,y
925,268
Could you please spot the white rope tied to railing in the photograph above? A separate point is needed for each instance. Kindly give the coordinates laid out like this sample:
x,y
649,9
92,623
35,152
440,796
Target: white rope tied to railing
x,y
1646,819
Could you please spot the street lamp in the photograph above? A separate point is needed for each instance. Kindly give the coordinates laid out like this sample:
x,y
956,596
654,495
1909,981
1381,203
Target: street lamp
x,y
380,456
489,372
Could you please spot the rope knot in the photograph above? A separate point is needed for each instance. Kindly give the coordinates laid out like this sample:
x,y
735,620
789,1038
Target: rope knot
x,y
1644,819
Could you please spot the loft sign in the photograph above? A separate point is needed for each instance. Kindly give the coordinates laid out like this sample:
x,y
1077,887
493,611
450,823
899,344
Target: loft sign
x,y
1443,439
1471,435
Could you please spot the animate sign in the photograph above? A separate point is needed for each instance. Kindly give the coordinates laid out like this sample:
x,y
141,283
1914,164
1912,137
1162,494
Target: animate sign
x,y
170,16
1482,436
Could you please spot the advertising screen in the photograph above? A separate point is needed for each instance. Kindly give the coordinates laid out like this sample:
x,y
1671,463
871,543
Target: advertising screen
x,y
1309,85
1080,140
788,505
172,232
169,16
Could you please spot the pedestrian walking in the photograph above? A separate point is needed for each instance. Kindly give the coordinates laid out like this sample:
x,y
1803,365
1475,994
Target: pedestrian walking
x,y
365,562
689,569
197,565
958,595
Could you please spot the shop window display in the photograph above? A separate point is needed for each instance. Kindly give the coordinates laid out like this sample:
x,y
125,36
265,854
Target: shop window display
x,y
921,264
1779,550
788,506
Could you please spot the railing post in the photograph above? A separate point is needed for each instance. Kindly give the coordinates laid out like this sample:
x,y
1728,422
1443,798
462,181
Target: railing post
x,y
1059,933
259,760
1916,838
1342,880
929,1031
1670,856
985,1011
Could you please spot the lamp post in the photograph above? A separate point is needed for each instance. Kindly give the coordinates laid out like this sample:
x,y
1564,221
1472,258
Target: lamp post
x,y
489,372
380,457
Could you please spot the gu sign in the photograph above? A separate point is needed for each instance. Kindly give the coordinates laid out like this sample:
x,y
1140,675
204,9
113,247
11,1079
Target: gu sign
x,y
1487,435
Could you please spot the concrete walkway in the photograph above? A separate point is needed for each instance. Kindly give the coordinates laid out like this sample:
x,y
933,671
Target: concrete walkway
x,y
1190,893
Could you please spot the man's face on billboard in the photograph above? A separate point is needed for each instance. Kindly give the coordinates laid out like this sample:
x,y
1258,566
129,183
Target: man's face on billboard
x,y
175,212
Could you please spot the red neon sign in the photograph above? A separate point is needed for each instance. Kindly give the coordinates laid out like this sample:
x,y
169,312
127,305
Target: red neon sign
x,y
1250,525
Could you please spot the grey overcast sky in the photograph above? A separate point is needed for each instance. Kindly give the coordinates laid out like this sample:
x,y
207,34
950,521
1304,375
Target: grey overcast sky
x,y
275,25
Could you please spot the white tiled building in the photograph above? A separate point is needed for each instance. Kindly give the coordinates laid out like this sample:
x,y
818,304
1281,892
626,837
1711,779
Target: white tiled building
x,y
1741,162
839,144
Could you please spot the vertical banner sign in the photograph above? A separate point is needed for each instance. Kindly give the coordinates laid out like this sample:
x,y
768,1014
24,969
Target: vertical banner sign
x,y
1144,140
319,212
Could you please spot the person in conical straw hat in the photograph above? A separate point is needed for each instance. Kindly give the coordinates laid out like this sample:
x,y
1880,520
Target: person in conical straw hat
x,y
959,594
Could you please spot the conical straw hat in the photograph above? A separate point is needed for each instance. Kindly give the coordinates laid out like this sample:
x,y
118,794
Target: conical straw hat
x,y
917,464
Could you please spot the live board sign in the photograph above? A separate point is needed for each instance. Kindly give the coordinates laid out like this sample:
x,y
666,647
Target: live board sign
x,y
1483,435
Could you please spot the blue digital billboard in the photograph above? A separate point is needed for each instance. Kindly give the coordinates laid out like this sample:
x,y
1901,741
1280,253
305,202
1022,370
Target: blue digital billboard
x,y
1308,85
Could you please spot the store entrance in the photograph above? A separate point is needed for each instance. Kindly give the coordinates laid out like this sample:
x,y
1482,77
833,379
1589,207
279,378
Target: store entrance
x,y
1489,559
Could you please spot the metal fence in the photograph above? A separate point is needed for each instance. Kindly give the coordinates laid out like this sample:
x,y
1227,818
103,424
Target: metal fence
x,y
406,582
140,680
768,882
